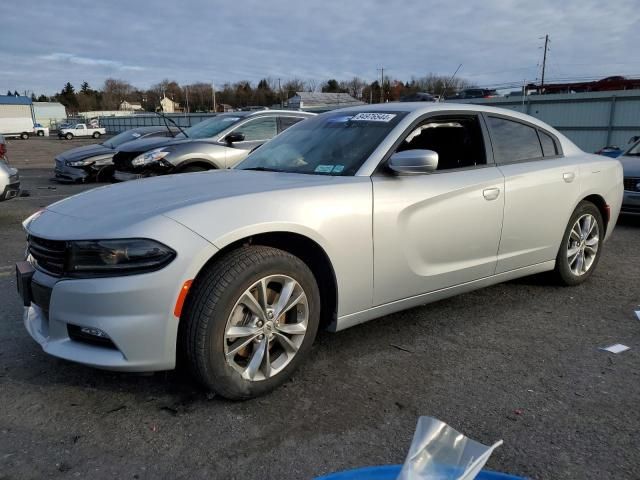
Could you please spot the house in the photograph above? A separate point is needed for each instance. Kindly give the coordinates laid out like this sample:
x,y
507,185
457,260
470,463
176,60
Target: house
x,y
169,106
322,101
131,106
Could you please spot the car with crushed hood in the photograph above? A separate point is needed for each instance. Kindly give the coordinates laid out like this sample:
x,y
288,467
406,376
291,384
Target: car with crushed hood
x,y
348,216
215,143
630,161
94,162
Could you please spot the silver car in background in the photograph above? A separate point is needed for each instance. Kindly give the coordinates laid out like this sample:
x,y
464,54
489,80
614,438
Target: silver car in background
x,y
218,142
9,178
345,217
631,167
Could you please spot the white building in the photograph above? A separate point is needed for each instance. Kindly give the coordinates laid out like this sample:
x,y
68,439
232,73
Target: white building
x,y
322,101
49,114
131,106
169,106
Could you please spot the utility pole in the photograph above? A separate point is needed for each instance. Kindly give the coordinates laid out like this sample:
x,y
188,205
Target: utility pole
x,y
280,93
381,84
544,61
213,95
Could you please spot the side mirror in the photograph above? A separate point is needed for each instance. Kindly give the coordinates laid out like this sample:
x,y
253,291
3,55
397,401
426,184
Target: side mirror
x,y
234,137
414,162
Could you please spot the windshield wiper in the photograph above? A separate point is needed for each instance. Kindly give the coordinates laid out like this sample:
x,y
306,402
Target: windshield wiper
x,y
262,169
174,123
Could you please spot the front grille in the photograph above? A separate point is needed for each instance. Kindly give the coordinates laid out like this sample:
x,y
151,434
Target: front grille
x,y
631,184
122,160
49,255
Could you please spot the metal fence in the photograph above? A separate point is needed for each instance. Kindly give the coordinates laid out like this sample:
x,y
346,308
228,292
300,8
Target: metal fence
x,y
592,120
120,124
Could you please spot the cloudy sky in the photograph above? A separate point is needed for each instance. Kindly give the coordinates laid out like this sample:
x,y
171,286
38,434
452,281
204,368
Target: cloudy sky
x,y
47,43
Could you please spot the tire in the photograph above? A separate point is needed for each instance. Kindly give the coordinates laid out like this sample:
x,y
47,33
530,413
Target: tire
x,y
574,269
24,136
96,135
215,309
69,136
193,168
40,133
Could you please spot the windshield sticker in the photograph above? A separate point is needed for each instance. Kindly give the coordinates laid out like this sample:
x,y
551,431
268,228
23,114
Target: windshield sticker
x,y
324,169
136,135
374,117
338,168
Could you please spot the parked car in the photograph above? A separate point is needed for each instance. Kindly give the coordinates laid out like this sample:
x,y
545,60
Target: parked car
x,y
81,130
235,270
94,162
473,93
9,178
219,142
630,161
419,97
40,130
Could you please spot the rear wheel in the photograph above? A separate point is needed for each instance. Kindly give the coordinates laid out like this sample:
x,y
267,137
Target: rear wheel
x,y
24,135
250,321
69,136
581,245
96,135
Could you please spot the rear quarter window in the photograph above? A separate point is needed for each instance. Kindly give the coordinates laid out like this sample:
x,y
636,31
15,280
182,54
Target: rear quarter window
x,y
549,147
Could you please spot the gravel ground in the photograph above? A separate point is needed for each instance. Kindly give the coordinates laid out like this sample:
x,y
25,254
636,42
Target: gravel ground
x,y
518,362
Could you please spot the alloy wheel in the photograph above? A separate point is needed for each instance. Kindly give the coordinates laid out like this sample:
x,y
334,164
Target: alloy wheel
x,y
582,246
266,327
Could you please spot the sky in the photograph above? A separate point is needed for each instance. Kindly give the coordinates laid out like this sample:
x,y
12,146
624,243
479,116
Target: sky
x,y
44,44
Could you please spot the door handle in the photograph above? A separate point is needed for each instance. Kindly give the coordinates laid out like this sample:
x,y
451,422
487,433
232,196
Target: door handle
x,y
491,193
568,177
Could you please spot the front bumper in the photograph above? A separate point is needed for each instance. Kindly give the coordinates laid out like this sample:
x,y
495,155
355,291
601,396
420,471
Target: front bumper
x,y
10,191
630,202
66,174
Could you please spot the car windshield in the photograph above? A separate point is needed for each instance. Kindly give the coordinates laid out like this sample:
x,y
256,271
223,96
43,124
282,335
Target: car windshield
x,y
121,138
330,144
634,151
212,126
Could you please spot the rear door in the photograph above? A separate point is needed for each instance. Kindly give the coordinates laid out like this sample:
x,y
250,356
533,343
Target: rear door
x,y
541,186
437,230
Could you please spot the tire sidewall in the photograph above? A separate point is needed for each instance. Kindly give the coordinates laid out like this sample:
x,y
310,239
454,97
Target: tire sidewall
x,y
223,376
68,136
562,263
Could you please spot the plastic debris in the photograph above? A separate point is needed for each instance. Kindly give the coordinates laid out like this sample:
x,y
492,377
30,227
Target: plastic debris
x,y
439,452
617,348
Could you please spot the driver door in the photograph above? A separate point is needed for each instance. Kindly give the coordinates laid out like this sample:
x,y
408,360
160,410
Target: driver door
x,y
256,131
437,230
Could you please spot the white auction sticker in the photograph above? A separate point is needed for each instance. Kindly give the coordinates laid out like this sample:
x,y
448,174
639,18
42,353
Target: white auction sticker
x,y
374,117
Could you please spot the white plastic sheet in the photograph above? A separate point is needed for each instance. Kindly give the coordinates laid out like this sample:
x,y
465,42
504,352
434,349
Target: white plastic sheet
x,y
439,452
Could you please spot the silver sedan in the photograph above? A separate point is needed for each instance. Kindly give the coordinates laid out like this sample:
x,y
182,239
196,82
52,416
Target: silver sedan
x,y
348,216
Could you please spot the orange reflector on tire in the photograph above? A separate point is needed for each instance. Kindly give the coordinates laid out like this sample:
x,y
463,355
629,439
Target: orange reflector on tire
x,y
177,311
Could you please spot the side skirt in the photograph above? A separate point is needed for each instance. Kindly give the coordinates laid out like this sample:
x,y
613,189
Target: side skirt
x,y
352,319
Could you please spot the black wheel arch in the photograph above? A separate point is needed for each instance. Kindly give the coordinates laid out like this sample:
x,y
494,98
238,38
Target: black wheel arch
x,y
196,162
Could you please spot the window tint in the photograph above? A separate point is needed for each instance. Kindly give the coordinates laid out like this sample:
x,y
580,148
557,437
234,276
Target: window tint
x,y
457,141
548,144
286,122
259,129
513,141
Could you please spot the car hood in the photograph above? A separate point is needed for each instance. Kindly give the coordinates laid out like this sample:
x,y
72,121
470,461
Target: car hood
x,y
146,144
143,198
80,153
630,165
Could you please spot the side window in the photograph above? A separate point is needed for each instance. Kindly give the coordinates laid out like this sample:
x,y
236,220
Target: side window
x,y
259,129
513,141
549,148
286,122
457,141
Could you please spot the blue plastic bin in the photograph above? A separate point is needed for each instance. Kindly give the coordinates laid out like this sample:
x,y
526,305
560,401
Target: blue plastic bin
x,y
391,472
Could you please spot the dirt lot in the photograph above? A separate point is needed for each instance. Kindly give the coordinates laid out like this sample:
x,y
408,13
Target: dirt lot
x,y
472,361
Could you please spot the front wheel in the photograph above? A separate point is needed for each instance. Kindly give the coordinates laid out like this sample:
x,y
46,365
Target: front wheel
x,y
96,135
69,136
581,245
250,321
40,133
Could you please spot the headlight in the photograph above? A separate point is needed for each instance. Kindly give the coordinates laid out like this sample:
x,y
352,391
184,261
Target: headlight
x,y
150,157
116,257
81,163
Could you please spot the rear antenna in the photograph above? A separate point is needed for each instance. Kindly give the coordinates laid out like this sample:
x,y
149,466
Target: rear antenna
x,y
444,89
